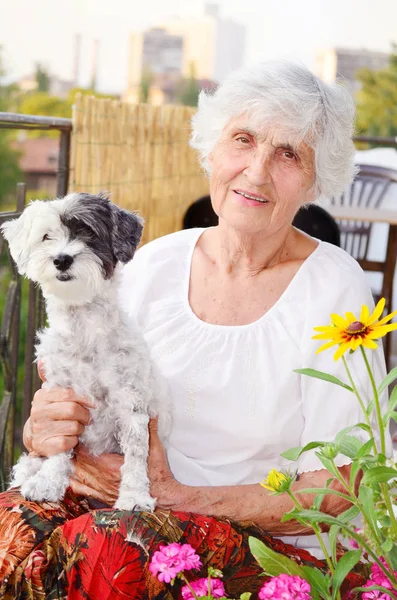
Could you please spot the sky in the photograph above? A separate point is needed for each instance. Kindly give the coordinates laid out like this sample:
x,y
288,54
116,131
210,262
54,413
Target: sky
x,y
44,31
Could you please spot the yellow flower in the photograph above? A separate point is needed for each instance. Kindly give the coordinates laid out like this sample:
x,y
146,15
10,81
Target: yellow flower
x,y
351,332
274,481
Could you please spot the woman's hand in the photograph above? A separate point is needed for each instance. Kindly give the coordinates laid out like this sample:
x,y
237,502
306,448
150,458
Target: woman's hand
x,y
57,418
168,492
96,477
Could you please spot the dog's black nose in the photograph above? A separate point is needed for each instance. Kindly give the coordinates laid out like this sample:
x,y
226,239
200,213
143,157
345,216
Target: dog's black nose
x,y
63,262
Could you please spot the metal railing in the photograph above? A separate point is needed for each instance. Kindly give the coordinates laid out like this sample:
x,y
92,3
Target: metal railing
x,y
26,297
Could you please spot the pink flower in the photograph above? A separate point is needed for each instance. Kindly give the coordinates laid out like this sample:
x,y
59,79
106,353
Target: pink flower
x,y
378,577
170,560
200,588
352,541
285,587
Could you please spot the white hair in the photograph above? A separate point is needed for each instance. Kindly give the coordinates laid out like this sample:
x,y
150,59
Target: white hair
x,y
287,96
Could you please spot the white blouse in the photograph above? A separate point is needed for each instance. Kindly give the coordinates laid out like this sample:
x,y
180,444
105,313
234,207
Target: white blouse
x,y
237,403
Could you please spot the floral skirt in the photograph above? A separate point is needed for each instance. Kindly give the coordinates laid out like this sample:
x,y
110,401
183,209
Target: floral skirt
x,y
67,550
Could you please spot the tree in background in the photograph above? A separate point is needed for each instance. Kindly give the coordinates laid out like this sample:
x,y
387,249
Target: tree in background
x,y
9,170
189,89
145,85
377,100
42,78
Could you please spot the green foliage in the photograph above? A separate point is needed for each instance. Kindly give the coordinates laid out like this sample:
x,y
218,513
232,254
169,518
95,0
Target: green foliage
x,y
189,90
377,100
145,85
9,170
42,78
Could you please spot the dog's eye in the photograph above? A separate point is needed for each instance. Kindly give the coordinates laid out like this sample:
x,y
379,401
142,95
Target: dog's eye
x,y
45,237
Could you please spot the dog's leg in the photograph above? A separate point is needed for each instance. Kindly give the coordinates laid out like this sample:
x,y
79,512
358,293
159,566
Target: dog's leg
x,y
134,443
26,467
51,481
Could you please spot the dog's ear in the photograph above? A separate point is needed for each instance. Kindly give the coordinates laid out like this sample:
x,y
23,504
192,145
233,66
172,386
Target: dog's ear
x,y
15,234
126,233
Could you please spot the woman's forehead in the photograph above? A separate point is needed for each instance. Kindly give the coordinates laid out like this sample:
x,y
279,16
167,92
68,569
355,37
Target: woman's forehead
x,y
274,133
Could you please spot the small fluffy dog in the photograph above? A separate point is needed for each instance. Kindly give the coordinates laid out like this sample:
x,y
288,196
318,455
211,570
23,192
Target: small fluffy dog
x,y
71,247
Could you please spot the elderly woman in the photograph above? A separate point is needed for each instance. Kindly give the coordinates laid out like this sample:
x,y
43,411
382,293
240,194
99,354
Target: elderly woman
x,y
228,314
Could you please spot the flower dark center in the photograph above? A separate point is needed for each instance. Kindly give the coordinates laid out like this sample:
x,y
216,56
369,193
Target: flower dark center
x,y
356,327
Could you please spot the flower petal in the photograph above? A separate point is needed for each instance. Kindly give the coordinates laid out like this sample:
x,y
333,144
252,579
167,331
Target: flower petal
x,y
326,329
326,346
324,336
341,350
367,343
350,318
387,318
364,315
379,332
339,321
355,343
379,308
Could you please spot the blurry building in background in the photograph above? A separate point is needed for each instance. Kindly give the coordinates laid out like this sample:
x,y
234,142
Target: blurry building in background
x,y
38,162
209,47
57,87
344,63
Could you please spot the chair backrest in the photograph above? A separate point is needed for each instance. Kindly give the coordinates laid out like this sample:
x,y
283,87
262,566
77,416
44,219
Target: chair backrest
x,y
317,222
368,190
200,214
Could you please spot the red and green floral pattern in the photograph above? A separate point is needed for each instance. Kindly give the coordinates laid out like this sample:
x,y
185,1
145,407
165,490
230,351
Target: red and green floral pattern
x,y
66,551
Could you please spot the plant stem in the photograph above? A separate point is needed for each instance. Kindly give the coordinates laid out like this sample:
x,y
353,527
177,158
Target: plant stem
x,y
357,394
183,577
386,496
377,403
317,531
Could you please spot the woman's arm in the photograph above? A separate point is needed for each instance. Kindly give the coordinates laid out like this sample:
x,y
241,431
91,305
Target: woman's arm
x,y
240,503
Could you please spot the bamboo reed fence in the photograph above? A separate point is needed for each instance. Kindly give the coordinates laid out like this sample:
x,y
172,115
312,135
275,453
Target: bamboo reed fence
x,y
140,154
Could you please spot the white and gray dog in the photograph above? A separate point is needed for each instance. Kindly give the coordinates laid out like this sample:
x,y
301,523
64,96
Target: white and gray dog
x,y
71,247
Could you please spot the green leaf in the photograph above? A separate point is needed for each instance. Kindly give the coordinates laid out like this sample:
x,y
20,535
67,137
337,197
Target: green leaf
x,y
325,491
371,589
328,464
387,546
245,596
273,563
390,377
318,581
314,516
349,446
355,468
349,514
324,376
366,497
294,453
378,475
347,562
333,538
364,426
393,399
370,407
392,556
365,448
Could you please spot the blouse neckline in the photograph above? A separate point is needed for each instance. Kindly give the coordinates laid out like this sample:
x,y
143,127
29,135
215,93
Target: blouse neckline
x,y
189,258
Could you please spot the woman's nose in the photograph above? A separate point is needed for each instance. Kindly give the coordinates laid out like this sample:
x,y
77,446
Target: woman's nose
x,y
259,168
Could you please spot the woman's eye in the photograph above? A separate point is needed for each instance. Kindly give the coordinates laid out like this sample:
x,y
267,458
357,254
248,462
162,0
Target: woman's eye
x,y
288,154
244,140
45,237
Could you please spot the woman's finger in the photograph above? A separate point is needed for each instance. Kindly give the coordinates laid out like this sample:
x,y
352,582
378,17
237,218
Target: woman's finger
x,y
40,370
81,489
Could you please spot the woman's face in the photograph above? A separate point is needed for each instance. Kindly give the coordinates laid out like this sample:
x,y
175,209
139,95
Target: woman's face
x,y
258,180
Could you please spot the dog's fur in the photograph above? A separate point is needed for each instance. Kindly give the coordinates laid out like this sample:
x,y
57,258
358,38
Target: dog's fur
x,y
71,247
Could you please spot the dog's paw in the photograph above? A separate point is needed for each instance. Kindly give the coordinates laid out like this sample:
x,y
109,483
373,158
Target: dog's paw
x,y
136,502
26,467
39,489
